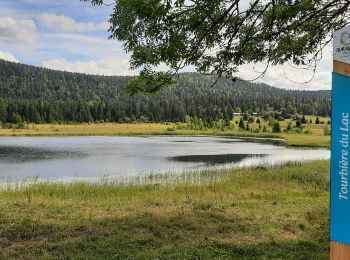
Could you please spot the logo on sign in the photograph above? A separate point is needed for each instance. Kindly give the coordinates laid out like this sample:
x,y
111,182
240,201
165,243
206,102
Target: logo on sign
x,y
345,39
343,48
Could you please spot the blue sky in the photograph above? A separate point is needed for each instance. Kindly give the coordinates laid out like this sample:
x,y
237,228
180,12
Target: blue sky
x,y
72,35
65,34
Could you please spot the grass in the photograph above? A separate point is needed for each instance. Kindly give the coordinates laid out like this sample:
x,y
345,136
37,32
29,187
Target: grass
x,y
316,138
310,140
263,213
105,129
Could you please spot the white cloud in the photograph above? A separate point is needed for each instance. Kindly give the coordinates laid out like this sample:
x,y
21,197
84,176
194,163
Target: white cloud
x,y
288,77
285,76
8,56
17,31
108,66
67,24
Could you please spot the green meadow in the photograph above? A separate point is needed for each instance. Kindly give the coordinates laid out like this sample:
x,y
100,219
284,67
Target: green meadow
x,y
312,135
261,213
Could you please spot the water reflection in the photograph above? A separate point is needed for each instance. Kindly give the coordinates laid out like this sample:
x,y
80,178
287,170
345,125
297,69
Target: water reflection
x,y
15,154
215,159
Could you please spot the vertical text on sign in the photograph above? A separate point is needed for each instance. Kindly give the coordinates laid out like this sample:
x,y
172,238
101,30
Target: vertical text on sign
x,y
344,162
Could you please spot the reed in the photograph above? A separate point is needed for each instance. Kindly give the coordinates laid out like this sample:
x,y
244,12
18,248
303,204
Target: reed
x,y
260,213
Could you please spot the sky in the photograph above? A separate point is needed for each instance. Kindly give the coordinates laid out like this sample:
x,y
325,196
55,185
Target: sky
x,y
72,36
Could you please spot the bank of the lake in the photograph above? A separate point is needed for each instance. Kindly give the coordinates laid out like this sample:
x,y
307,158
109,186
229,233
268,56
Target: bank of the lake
x,y
315,138
279,213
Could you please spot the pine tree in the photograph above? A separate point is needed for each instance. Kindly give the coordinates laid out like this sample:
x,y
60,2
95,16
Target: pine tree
x,y
298,123
303,120
241,124
3,112
317,121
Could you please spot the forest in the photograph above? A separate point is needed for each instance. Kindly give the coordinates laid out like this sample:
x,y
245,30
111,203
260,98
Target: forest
x,y
38,95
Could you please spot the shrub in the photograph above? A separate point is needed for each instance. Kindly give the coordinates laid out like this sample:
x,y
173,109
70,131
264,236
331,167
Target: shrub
x,y
327,130
307,131
251,120
297,130
276,128
303,120
241,123
299,123
245,117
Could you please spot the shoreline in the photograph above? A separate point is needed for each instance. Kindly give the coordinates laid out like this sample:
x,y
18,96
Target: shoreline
x,y
195,177
150,129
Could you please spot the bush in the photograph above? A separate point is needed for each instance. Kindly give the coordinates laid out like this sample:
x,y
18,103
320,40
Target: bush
x,y
143,119
6,126
299,124
241,123
276,128
307,131
303,120
22,125
245,117
327,130
297,130
127,119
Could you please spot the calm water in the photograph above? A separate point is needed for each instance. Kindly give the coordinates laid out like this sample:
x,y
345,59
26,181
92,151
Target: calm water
x,y
87,158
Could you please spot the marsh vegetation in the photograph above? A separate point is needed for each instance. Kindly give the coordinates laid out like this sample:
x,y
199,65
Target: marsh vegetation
x,y
261,213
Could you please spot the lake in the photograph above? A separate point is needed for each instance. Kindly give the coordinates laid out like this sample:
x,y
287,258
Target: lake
x,y
92,158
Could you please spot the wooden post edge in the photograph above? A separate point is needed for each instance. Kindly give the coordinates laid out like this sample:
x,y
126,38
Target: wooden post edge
x,y
339,251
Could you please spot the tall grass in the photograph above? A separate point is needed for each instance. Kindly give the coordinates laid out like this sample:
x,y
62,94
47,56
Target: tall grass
x,y
261,213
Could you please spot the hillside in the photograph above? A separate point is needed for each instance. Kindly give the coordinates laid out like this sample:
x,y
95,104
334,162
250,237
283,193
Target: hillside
x,y
41,95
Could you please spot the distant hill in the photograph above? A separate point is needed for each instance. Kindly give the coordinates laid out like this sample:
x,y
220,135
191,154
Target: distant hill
x,y
43,95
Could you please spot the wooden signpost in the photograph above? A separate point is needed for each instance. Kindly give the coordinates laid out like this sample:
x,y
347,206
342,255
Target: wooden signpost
x,y
340,169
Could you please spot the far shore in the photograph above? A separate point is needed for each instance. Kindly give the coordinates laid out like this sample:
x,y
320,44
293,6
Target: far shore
x,y
315,139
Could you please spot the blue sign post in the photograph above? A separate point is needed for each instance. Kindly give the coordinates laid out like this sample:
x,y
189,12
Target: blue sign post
x,y
340,190
340,165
